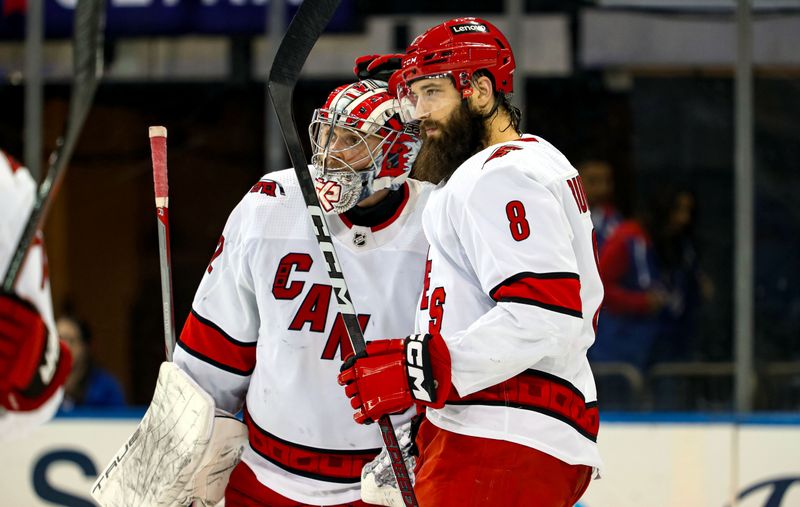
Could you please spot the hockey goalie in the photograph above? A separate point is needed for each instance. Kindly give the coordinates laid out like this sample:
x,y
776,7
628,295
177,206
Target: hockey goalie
x,y
182,452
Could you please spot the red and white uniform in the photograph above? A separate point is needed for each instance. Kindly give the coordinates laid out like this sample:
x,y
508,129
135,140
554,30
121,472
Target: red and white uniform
x,y
264,330
17,194
514,290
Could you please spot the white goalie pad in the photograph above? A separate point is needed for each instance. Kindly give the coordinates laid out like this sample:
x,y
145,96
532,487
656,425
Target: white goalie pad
x,y
184,450
378,484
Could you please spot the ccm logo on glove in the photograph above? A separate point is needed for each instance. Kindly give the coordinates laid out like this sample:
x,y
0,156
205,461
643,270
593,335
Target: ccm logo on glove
x,y
394,374
418,367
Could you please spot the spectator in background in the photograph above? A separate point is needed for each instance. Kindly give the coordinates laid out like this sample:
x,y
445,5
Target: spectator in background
x,y
598,183
87,385
687,284
652,284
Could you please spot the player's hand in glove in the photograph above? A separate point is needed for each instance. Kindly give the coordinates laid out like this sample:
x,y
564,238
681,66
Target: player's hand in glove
x,y
394,374
33,364
380,67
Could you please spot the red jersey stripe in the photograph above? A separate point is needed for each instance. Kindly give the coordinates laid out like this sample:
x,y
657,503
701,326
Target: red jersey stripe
x,y
346,221
559,292
206,341
540,392
332,465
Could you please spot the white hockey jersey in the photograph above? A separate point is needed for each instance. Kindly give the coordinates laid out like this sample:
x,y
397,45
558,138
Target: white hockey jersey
x,y
512,285
17,194
264,329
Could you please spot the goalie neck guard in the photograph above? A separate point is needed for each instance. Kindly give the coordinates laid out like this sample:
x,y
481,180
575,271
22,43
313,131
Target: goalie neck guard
x,y
359,145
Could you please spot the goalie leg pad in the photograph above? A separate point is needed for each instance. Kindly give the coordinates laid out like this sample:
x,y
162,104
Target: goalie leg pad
x,y
176,455
378,483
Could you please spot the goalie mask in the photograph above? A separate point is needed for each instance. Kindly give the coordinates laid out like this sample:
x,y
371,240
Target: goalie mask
x,y
359,145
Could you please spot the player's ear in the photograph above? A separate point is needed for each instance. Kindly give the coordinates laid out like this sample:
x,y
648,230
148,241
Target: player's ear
x,y
482,93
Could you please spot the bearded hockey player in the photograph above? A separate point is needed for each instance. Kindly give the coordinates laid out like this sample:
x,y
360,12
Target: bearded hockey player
x,y
510,296
33,363
264,334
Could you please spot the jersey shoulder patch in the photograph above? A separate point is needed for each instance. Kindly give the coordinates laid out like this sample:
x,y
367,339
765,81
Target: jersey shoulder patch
x,y
268,187
270,208
505,149
501,152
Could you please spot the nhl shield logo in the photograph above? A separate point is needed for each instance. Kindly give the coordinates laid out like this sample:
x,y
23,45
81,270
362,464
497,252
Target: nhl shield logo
x,y
359,239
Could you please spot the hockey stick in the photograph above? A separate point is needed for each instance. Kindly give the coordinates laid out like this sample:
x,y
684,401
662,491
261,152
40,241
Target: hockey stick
x,y
158,150
308,23
87,56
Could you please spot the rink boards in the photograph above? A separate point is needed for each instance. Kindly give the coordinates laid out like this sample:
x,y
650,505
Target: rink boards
x,y
673,460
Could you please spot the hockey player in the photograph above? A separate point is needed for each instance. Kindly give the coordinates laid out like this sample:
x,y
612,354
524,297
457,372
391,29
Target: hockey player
x,y
33,362
263,330
510,296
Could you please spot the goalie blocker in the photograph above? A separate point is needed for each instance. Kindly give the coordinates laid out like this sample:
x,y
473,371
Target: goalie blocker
x,y
182,452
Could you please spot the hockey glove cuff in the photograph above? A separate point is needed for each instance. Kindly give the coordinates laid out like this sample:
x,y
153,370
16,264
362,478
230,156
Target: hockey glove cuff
x,y
33,363
394,374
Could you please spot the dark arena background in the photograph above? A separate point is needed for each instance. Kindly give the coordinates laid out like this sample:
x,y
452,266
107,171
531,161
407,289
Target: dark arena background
x,y
699,99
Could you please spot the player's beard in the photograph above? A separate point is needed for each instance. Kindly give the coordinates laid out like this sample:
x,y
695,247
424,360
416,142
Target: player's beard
x,y
463,135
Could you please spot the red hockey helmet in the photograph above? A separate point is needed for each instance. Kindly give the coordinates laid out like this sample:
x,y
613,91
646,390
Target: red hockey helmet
x,y
457,49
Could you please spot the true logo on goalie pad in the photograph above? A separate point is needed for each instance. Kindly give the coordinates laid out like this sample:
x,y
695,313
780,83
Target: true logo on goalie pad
x,y
418,368
98,485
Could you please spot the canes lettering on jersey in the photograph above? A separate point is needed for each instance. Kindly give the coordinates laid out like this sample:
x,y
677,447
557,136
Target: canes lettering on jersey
x,y
435,303
423,305
314,308
281,288
339,338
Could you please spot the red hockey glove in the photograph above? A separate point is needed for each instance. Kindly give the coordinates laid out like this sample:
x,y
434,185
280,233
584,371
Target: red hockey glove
x,y
380,67
394,374
32,364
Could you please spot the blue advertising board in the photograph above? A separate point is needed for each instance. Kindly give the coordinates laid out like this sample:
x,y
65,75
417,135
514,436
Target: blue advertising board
x,y
139,18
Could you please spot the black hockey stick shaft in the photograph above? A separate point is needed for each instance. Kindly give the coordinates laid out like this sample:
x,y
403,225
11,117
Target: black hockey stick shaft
x,y
307,25
87,55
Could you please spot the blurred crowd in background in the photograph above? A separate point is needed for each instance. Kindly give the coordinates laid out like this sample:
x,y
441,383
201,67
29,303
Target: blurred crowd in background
x,y
653,144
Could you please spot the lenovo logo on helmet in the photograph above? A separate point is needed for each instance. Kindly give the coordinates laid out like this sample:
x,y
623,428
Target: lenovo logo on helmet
x,y
469,28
